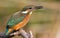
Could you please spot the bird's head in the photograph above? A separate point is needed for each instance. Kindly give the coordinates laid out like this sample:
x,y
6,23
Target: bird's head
x,y
29,9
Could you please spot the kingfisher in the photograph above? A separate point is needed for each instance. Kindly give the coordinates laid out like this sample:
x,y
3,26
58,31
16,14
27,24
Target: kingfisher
x,y
20,19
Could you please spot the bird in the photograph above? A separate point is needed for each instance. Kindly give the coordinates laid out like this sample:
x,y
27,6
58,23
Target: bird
x,y
20,19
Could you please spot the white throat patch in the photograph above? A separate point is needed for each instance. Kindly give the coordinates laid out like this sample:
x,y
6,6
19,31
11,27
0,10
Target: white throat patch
x,y
30,12
25,12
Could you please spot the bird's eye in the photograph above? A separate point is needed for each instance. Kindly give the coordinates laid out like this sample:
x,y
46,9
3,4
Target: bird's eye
x,y
30,8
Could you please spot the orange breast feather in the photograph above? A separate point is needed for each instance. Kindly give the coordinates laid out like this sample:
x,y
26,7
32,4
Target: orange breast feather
x,y
23,23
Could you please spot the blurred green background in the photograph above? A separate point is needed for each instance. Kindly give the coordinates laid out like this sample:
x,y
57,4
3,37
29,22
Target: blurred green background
x,y
41,22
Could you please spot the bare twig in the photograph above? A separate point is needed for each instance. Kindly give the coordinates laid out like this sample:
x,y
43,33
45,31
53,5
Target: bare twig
x,y
1,34
21,32
24,34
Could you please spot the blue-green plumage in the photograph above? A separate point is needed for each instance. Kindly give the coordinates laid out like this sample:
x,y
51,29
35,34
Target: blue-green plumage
x,y
14,19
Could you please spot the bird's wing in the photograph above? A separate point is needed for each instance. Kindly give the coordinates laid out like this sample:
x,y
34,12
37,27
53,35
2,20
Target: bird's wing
x,y
14,19
17,21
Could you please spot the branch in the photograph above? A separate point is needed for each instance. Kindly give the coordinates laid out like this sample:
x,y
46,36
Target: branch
x,y
1,34
21,32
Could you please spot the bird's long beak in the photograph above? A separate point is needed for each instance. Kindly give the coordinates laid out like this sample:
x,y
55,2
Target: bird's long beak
x,y
38,7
